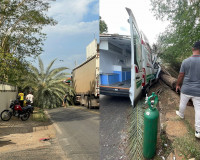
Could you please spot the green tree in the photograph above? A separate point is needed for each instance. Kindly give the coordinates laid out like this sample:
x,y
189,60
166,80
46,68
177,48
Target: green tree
x,y
12,69
102,26
47,85
21,23
184,17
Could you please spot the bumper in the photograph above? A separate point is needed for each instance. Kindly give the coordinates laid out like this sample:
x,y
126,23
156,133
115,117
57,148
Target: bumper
x,y
112,91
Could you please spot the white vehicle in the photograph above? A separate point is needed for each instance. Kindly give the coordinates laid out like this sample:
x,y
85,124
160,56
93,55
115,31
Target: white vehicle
x,y
150,67
126,66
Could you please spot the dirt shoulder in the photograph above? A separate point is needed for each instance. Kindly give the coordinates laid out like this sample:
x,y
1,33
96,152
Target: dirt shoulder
x,y
177,138
38,139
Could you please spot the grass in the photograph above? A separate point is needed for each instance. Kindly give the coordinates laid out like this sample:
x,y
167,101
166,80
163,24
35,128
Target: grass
x,y
188,145
39,115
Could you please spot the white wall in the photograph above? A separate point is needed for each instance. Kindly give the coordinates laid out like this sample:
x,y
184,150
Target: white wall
x,y
108,60
7,93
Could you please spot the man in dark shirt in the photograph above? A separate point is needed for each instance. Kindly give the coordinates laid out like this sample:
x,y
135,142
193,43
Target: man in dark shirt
x,y
189,76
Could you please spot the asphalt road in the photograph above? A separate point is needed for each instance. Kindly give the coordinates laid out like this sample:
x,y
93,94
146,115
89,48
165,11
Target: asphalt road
x,y
113,127
77,132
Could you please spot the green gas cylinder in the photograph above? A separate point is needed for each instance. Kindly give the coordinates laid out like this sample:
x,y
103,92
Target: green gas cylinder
x,y
150,128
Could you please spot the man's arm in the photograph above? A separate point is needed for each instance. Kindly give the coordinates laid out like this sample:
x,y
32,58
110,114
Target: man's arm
x,y
179,81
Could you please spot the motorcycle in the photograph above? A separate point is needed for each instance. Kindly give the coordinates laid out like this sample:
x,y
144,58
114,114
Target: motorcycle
x,y
18,111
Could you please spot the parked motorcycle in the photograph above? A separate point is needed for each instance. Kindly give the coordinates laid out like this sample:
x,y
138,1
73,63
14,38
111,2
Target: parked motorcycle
x,y
18,111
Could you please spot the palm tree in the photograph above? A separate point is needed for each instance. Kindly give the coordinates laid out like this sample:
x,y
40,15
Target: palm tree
x,y
47,85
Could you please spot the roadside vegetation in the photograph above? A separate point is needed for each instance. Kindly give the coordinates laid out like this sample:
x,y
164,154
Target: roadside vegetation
x,y
175,44
39,115
21,36
103,28
46,84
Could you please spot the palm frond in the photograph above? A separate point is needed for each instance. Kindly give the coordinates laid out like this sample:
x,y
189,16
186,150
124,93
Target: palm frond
x,y
135,147
41,65
35,71
53,72
49,66
48,88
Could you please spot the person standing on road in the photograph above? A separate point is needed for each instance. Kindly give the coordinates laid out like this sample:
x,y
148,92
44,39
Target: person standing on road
x,y
189,76
65,102
30,97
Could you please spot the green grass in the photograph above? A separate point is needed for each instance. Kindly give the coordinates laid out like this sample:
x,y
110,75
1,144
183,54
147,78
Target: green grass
x,y
39,115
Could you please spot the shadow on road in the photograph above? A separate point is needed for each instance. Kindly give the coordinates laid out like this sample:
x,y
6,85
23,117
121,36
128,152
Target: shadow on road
x,y
5,142
71,114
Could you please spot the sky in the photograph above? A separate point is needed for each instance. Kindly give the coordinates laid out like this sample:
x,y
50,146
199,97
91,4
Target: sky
x,y
78,25
113,12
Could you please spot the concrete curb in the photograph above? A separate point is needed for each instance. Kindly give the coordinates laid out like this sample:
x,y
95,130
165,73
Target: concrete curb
x,y
53,122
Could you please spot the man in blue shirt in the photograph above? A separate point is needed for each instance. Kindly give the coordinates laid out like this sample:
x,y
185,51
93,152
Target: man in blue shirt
x,y
189,76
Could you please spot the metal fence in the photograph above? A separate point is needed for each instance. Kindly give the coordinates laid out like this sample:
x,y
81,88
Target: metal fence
x,y
7,93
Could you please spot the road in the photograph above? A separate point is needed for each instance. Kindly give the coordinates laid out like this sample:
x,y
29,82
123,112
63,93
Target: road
x,y
113,129
77,132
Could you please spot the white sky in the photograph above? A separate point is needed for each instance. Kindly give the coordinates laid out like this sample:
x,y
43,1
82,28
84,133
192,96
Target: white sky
x,y
113,12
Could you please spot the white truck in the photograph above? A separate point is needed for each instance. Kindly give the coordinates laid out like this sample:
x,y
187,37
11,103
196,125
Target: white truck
x,y
85,78
126,64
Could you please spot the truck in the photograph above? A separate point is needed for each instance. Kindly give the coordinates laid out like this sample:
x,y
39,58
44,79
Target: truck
x,y
85,78
127,67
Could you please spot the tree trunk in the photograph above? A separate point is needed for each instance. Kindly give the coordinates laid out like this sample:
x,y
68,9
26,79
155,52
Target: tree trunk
x,y
169,80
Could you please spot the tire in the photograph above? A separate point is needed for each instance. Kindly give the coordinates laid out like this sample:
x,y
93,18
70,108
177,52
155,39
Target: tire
x,y
25,116
6,115
89,104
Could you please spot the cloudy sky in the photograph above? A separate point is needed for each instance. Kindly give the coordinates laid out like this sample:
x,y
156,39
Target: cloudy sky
x,y
78,24
113,12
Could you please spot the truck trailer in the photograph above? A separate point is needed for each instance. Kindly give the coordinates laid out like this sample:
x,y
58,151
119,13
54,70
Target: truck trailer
x,y
85,79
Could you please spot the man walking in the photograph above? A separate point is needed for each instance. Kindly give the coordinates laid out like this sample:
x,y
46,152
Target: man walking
x,y
189,76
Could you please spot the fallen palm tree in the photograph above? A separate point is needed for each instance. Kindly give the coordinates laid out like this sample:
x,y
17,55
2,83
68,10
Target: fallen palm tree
x,y
169,80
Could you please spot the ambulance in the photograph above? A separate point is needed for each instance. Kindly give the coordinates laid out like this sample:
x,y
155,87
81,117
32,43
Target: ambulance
x,y
127,65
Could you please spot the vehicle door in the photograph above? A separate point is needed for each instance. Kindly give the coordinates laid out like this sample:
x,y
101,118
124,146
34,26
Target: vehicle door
x,y
136,58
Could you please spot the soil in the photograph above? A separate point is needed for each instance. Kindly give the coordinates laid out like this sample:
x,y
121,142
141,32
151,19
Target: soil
x,y
172,127
17,138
